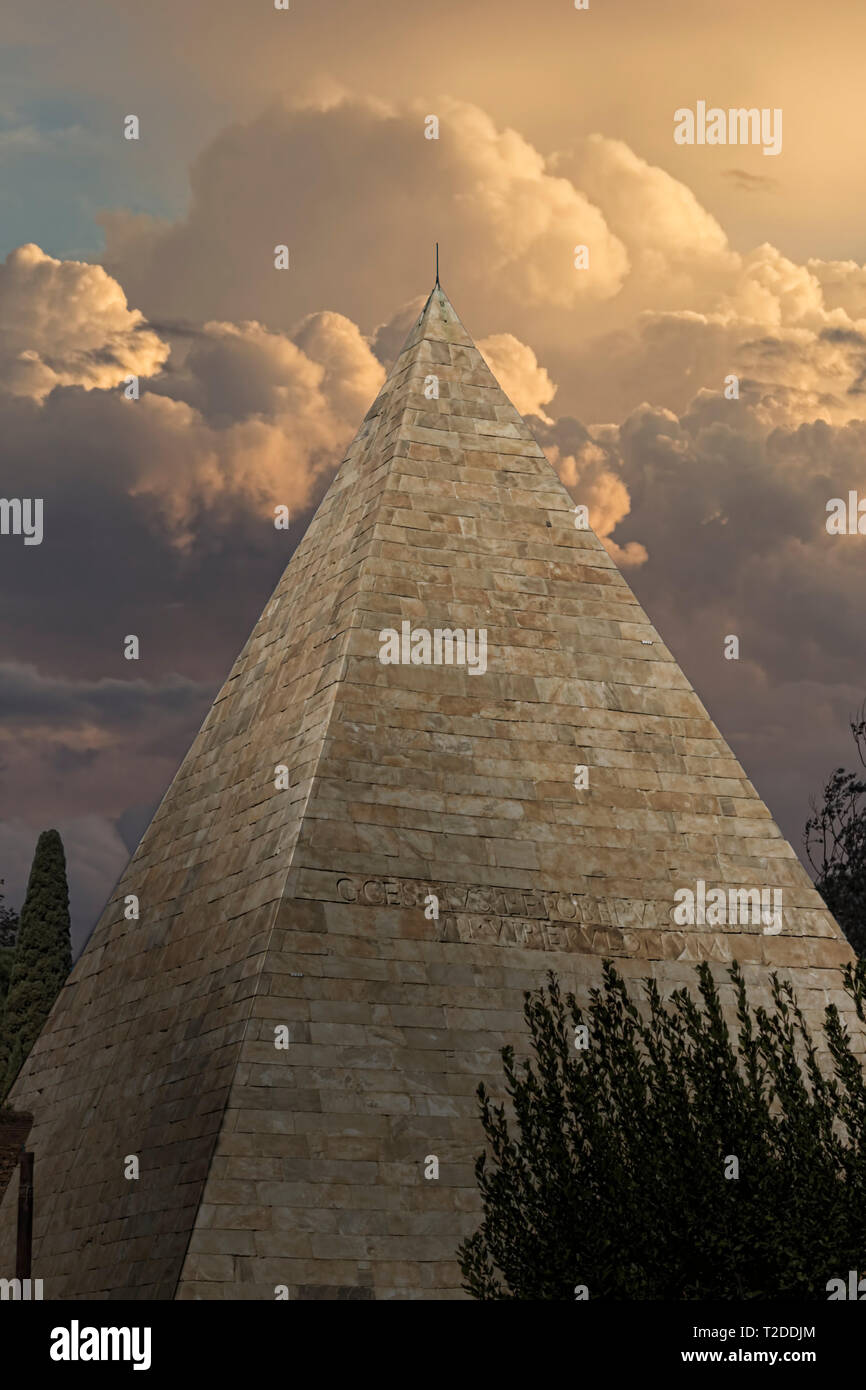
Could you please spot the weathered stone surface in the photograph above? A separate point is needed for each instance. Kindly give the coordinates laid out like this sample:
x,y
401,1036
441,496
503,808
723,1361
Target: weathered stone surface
x,y
304,908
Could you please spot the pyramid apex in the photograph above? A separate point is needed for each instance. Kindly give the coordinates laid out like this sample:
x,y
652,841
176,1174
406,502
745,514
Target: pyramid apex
x,y
438,320
437,296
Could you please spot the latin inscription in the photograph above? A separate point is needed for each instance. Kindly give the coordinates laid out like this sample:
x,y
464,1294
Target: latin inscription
x,y
511,916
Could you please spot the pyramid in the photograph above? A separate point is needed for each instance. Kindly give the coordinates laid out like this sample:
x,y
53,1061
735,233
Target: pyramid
x,y
369,861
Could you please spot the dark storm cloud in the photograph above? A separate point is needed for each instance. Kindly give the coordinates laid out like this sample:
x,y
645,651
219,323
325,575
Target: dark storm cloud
x,y
26,694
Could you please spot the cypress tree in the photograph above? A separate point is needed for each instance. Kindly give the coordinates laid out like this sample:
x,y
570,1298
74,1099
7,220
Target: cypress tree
x,y
8,923
43,957
8,933
7,955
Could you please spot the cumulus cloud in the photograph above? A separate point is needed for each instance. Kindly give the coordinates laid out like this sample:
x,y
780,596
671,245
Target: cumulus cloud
x,y
527,215
509,221
843,284
673,244
352,376
516,368
590,468
733,519
691,310
66,323
255,415
388,338
793,350
668,306
241,417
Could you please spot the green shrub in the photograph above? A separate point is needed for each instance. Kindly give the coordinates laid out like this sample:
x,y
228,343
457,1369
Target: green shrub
x,y
611,1173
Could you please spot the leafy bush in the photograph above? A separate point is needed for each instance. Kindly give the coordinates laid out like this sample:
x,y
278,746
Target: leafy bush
x,y
835,841
612,1172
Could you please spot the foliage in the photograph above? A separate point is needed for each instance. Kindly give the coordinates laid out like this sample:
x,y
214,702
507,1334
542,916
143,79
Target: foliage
x,y
835,840
610,1172
8,923
42,960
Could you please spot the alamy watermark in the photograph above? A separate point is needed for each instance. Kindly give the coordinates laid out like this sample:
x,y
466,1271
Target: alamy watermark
x,y
441,647
846,516
20,1290
855,1291
738,125
22,516
718,907
77,1343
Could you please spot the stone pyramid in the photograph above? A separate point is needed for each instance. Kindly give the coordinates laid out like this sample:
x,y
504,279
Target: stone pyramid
x,y
297,905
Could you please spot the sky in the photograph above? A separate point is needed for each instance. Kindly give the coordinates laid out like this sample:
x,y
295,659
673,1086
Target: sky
x,y
154,258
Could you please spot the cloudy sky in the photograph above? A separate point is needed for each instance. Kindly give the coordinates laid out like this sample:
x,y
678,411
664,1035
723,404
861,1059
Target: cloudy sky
x,y
306,127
